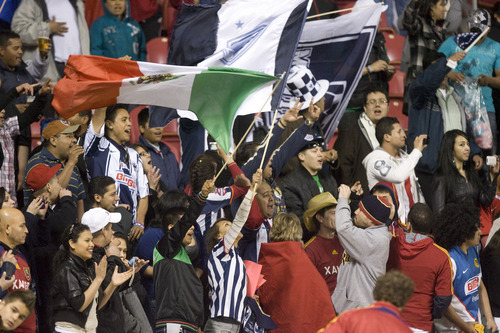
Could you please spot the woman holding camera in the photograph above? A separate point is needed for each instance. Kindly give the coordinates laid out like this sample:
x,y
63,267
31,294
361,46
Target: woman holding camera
x,y
456,179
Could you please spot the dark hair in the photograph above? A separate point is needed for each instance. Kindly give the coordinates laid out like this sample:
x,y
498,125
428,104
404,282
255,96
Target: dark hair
x,y
71,232
496,9
424,10
202,168
213,235
113,109
98,185
447,172
3,193
421,218
87,113
455,224
394,287
6,35
375,88
245,152
134,146
430,57
143,117
27,297
167,202
384,126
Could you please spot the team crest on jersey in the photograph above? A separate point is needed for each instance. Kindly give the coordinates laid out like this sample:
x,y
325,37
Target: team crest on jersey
x,y
476,263
27,273
472,285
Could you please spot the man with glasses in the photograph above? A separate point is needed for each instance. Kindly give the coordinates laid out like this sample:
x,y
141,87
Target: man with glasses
x,y
359,140
390,163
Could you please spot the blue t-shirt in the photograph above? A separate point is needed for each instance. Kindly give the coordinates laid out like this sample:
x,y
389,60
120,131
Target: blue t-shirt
x,y
481,59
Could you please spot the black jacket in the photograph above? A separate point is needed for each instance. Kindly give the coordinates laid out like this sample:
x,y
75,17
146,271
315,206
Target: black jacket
x,y
178,290
70,282
464,192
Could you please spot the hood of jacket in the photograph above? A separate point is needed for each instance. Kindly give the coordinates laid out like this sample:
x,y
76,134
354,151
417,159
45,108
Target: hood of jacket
x,y
411,244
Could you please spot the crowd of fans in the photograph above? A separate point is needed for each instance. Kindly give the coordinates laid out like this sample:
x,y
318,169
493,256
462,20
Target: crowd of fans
x,y
388,231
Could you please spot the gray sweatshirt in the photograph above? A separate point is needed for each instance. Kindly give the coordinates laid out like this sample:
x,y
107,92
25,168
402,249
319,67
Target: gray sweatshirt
x,y
365,256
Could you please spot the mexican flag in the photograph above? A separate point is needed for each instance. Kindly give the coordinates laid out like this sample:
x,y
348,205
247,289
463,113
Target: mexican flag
x,y
214,94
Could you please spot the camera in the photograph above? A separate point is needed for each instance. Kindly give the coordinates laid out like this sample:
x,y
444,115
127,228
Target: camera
x,y
425,141
491,160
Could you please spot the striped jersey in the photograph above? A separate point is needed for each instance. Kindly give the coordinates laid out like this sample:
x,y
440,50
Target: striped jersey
x,y
227,281
104,157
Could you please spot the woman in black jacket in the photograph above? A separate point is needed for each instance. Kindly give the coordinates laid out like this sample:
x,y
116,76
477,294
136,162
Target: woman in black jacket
x,y
456,179
76,295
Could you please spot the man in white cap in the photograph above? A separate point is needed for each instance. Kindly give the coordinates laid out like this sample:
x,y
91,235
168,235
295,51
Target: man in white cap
x,y
59,147
99,222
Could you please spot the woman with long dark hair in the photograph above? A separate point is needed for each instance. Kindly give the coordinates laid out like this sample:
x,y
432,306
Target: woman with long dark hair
x,y
490,264
76,293
456,179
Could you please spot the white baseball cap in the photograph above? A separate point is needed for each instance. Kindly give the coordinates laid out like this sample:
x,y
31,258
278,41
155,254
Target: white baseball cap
x,y
98,218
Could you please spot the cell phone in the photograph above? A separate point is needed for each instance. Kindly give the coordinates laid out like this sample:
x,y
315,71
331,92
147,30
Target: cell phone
x,y
132,261
43,204
425,141
491,160
8,268
213,146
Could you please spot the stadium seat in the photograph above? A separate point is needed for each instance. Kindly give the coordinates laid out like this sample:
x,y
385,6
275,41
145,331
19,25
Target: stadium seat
x,y
396,110
157,50
394,45
397,84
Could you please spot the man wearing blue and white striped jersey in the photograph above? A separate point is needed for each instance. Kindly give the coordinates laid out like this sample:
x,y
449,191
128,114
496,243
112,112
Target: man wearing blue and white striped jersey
x,y
107,155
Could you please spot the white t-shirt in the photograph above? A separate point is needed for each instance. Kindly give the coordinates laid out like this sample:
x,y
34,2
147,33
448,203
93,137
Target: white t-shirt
x,y
69,43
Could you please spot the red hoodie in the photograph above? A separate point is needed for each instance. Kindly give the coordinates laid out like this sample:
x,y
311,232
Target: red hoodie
x,y
429,266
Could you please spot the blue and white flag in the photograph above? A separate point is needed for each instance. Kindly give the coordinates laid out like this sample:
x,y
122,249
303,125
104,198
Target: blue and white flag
x,y
337,50
259,35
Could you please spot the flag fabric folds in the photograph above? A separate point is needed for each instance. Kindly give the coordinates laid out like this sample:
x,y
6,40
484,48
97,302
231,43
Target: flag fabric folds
x,y
337,50
213,94
259,35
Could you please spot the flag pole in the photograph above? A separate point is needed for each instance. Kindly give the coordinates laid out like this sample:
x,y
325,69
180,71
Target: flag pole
x,y
251,125
342,10
476,40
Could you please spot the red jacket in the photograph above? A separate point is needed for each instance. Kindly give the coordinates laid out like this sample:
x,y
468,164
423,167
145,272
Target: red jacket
x,y
294,294
429,266
380,317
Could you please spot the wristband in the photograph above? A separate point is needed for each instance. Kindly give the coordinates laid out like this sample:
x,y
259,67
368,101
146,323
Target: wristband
x,y
202,198
139,224
369,69
281,123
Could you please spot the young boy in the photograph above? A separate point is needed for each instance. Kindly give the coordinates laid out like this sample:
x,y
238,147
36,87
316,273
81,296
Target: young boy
x,y
116,34
15,308
179,299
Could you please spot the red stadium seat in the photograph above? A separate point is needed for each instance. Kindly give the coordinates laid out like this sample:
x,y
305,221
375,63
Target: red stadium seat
x,y
394,45
157,50
397,84
396,110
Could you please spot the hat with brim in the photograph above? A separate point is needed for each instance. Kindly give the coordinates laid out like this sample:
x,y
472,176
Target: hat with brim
x,y
58,127
38,176
316,204
312,143
98,218
304,86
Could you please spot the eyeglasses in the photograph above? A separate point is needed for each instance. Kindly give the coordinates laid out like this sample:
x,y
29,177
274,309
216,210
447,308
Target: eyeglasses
x,y
374,102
